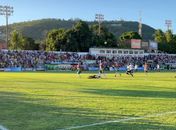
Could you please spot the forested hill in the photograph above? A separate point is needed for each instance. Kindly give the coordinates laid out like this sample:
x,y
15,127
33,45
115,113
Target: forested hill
x,y
37,29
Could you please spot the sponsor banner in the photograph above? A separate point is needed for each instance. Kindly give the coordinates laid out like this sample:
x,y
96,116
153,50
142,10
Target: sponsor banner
x,y
90,61
140,68
59,67
13,69
40,69
64,67
122,69
112,69
28,69
34,69
171,64
145,45
93,68
1,69
153,45
135,43
62,62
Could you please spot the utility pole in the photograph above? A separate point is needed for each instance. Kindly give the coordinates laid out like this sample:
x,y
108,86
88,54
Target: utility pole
x,y
99,18
6,11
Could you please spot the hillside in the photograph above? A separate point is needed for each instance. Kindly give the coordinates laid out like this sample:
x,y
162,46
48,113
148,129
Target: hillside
x,y
37,29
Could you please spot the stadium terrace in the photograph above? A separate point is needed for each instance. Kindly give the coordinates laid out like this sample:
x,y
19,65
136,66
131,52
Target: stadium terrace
x,y
67,61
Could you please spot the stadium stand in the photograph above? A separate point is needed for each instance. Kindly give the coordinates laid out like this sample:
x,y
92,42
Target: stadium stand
x,y
38,60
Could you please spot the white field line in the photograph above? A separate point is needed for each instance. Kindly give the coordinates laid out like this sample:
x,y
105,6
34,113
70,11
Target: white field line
x,y
3,128
119,120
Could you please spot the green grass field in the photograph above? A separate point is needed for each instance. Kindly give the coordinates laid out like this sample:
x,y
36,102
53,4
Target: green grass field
x,y
54,101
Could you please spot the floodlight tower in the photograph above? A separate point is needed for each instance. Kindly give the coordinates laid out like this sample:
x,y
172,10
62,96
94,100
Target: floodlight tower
x,y
168,24
140,24
99,18
6,11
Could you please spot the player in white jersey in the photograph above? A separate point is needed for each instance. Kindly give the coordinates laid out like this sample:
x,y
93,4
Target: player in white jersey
x,y
158,67
129,70
101,69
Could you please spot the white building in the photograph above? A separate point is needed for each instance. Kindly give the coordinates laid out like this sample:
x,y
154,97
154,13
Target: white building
x,y
111,52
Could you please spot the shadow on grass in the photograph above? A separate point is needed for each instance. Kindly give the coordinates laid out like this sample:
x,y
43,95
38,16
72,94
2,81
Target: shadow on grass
x,y
138,125
19,112
131,93
37,81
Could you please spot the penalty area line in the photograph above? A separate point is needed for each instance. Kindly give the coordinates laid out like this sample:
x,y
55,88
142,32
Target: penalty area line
x,y
3,128
119,120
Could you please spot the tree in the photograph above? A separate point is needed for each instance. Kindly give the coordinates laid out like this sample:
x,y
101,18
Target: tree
x,y
129,35
174,44
71,43
169,36
166,41
61,39
15,40
159,36
56,40
82,35
125,37
76,39
20,42
105,39
29,44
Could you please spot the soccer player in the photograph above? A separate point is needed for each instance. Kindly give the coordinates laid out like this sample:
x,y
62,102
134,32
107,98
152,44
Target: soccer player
x,y
130,70
158,67
78,69
101,69
146,67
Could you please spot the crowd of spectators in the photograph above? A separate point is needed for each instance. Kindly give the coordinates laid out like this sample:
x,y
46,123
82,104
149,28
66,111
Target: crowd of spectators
x,y
34,59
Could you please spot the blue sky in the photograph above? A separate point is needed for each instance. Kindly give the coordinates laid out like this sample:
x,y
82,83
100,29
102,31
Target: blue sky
x,y
154,12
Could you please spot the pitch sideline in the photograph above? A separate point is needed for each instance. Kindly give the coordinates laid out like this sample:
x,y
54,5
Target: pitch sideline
x,y
3,128
119,120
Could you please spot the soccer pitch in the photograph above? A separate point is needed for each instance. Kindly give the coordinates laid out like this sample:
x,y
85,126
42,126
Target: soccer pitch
x,y
62,101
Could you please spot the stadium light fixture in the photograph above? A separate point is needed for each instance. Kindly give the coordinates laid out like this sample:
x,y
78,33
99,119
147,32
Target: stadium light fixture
x,y
168,24
100,19
6,11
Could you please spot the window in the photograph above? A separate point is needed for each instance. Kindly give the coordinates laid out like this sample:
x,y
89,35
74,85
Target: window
x,y
141,52
102,51
130,52
125,52
120,52
114,52
136,52
108,51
